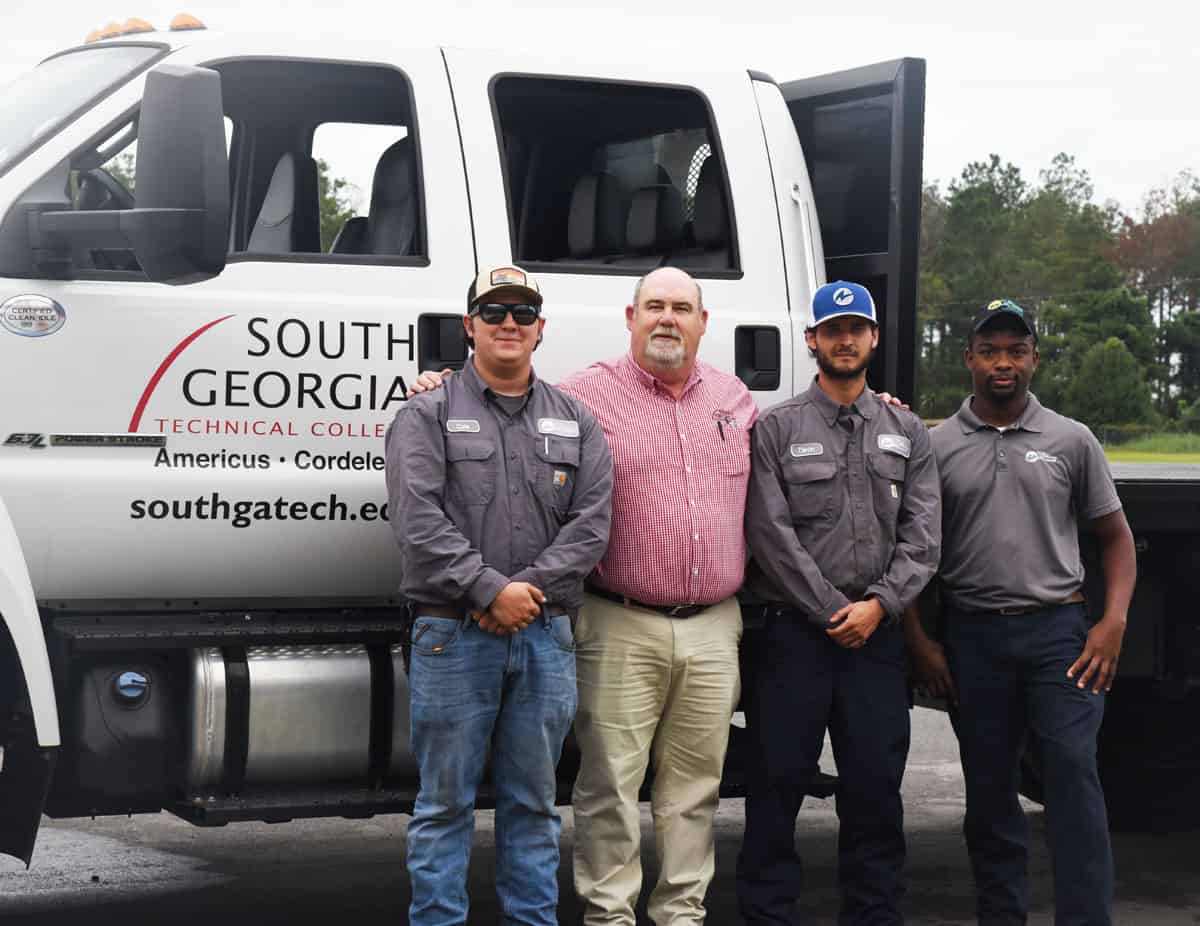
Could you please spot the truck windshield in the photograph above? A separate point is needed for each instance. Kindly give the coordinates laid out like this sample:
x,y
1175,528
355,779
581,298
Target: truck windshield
x,y
37,104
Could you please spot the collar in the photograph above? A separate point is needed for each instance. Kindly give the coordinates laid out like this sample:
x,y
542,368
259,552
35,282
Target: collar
x,y
1030,418
652,382
830,409
473,381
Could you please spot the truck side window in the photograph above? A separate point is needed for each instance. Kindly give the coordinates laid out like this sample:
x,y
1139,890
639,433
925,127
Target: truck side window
x,y
330,166
619,177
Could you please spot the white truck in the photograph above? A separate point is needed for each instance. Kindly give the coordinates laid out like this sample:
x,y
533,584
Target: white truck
x,y
197,580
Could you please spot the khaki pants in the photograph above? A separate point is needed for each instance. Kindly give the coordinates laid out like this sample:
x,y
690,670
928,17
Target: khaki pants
x,y
660,690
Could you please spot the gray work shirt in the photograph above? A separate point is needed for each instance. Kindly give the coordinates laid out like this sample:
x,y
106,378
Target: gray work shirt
x,y
843,505
478,497
1011,504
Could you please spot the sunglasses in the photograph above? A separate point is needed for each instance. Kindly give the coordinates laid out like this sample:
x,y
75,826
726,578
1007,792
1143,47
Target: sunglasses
x,y
493,313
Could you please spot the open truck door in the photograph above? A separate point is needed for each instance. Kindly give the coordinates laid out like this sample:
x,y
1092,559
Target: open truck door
x,y
862,132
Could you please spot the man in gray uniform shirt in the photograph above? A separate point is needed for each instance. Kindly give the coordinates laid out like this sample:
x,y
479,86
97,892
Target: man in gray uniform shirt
x,y
498,488
843,520
1021,658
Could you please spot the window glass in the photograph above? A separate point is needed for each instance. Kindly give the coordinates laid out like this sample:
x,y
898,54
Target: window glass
x,y
35,105
615,175
346,154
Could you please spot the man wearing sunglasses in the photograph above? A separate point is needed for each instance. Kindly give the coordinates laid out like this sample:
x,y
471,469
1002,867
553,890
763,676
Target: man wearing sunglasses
x,y
499,490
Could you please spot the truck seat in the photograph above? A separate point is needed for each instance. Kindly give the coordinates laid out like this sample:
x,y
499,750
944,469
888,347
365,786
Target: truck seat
x,y
710,223
654,227
289,220
393,218
596,222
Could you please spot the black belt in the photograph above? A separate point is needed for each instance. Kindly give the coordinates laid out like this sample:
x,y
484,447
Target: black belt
x,y
458,612
1076,598
670,610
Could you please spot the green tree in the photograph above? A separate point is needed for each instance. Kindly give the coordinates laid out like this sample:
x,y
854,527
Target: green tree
x,y
1108,387
337,203
123,169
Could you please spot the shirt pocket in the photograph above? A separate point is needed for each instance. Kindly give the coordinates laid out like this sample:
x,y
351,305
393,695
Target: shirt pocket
x,y
888,474
470,470
554,472
810,486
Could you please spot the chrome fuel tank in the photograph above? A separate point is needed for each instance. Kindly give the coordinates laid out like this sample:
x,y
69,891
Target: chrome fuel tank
x,y
298,715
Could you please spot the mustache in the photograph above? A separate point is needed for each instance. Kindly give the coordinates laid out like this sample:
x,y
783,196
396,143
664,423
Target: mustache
x,y
666,333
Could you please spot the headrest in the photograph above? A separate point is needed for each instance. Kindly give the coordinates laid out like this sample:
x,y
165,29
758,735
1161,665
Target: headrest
x,y
392,220
289,219
655,221
596,223
710,221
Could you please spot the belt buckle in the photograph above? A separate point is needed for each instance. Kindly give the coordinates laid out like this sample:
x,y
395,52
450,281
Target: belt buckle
x,y
674,610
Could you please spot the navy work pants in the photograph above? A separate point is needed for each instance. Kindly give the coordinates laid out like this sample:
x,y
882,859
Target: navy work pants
x,y
802,684
1011,674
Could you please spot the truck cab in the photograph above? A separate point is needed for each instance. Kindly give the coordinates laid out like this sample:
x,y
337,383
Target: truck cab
x,y
197,579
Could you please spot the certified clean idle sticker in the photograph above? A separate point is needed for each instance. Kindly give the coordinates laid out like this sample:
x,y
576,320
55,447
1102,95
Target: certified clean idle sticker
x,y
32,316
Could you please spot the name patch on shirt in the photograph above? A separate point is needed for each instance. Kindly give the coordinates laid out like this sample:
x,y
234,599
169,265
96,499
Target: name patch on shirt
x,y
462,426
807,450
1037,456
895,443
559,427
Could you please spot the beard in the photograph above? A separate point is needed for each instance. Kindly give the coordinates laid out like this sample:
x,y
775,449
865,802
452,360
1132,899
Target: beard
x,y
668,355
825,362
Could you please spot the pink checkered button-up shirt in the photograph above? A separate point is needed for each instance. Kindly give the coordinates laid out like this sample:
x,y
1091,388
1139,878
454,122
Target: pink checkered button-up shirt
x,y
680,469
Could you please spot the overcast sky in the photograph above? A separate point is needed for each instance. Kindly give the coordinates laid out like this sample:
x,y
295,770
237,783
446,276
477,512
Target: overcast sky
x,y
1112,83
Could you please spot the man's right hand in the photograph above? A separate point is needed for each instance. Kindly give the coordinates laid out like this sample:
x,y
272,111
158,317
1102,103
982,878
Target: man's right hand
x,y
515,608
428,381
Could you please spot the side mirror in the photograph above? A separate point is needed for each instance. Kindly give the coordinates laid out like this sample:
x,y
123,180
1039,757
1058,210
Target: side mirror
x,y
180,228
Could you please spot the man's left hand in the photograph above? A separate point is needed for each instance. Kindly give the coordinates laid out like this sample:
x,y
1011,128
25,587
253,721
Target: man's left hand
x,y
853,625
1097,663
888,399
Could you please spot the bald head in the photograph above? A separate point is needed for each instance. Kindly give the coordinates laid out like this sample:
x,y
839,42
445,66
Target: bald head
x,y
667,273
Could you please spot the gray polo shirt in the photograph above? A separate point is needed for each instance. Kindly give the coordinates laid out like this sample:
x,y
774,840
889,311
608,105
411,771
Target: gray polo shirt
x,y
1012,500
479,496
843,505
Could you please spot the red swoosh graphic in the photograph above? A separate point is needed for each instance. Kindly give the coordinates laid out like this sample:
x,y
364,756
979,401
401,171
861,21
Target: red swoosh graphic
x,y
136,420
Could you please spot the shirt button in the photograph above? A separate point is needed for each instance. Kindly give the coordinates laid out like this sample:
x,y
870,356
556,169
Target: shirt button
x,y
692,502
516,491
695,536
695,572
687,469
682,436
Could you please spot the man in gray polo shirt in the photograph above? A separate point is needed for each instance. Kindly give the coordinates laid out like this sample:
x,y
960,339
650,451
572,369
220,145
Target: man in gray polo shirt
x,y
1021,657
498,487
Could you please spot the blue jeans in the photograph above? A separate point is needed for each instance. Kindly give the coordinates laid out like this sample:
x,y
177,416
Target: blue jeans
x,y
472,691
1011,674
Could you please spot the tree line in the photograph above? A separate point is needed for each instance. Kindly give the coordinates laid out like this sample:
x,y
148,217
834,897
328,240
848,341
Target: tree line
x,y
1116,298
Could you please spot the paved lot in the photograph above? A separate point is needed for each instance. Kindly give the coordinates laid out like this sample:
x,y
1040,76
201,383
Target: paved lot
x,y
159,870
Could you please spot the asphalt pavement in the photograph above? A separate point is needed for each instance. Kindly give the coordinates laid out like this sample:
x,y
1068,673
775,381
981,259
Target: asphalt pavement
x,y
157,869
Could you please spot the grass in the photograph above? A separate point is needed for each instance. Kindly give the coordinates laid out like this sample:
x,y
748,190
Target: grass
x,y
1157,448
1122,455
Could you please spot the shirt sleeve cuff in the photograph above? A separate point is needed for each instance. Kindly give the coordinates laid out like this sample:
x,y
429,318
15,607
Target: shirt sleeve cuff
x,y
485,589
892,608
836,602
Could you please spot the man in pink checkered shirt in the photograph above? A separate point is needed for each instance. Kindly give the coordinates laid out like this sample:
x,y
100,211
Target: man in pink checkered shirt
x,y
657,637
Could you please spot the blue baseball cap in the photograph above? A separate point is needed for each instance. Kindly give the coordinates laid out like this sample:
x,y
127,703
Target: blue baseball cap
x,y
833,300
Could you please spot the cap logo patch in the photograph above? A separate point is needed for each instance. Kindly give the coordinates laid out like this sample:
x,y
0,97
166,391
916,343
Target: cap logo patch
x,y
559,427
1037,456
843,296
807,450
895,443
462,426
503,275
560,478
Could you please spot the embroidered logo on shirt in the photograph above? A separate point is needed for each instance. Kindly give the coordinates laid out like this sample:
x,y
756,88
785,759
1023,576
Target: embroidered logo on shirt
x,y
559,427
807,450
462,426
1036,456
895,443
560,479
